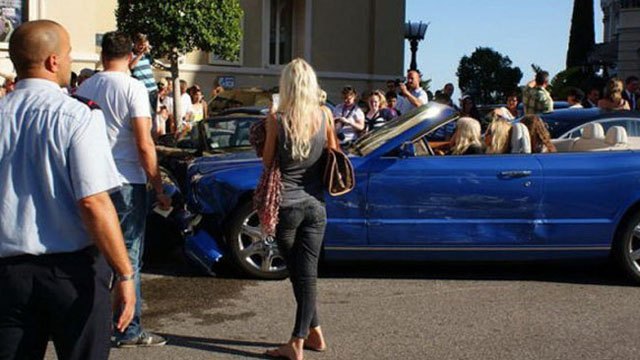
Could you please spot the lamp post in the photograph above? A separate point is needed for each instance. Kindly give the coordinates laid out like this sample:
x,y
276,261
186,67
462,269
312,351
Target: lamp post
x,y
414,32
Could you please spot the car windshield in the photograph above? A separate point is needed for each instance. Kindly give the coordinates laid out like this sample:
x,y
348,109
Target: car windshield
x,y
557,128
378,137
228,133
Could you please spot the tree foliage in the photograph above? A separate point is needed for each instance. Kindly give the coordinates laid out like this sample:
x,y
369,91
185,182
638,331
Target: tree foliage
x,y
177,27
184,25
575,77
488,75
582,35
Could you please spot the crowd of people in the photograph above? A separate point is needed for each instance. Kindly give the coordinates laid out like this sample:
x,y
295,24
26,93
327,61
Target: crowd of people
x,y
89,161
193,107
495,127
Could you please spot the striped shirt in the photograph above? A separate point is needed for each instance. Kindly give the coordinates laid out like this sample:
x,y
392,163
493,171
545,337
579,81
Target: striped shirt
x,y
142,71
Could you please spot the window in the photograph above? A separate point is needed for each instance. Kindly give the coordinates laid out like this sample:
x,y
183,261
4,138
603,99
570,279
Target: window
x,y
280,32
12,14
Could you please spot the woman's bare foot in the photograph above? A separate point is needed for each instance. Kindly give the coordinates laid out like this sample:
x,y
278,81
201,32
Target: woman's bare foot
x,y
315,341
291,350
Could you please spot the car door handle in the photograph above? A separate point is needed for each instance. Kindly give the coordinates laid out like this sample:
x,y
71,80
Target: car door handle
x,y
514,174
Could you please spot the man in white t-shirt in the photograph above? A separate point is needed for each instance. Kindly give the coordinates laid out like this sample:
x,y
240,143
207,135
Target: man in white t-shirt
x,y
125,104
411,94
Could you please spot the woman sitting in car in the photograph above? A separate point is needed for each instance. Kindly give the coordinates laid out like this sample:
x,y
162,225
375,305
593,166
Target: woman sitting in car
x,y
497,138
466,138
540,138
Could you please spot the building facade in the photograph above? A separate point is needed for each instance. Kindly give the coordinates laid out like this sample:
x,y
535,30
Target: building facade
x,y
357,42
621,47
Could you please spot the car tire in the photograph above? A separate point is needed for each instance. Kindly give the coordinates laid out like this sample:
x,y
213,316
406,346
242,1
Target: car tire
x,y
255,255
627,247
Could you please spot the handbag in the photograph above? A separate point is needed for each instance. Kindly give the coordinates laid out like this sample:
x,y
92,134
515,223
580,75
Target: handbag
x,y
339,177
268,193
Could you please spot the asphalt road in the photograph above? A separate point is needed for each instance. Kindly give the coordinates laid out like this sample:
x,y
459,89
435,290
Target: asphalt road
x,y
391,311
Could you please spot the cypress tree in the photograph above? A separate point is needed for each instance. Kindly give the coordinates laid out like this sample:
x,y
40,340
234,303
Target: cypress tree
x,y
582,37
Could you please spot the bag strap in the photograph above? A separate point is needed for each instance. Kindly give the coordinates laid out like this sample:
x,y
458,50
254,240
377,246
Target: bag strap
x,y
330,126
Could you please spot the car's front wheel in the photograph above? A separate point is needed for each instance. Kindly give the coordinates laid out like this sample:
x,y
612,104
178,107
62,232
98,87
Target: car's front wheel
x,y
627,246
256,255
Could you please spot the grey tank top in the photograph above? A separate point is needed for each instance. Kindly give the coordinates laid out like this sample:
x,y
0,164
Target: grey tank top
x,y
302,179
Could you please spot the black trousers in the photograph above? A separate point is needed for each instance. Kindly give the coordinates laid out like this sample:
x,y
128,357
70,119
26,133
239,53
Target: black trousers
x,y
299,234
64,297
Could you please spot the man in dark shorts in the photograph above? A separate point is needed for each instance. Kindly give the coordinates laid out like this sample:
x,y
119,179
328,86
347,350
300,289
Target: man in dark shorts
x,y
57,222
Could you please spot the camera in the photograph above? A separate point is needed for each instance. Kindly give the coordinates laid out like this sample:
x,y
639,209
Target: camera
x,y
398,81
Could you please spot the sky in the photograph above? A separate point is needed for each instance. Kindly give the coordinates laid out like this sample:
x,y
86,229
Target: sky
x,y
510,27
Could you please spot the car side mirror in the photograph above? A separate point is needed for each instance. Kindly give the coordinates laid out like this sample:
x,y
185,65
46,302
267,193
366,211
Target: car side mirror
x,y
407,150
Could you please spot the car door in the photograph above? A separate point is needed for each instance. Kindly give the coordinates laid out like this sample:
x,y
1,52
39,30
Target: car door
x,y
346,214
584,194
459,201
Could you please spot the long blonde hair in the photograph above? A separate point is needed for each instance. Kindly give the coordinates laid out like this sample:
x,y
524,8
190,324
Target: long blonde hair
x,y
467,134
299,104
499,130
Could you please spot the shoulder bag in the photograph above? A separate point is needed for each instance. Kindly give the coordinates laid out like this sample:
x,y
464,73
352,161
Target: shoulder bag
x,y
339,177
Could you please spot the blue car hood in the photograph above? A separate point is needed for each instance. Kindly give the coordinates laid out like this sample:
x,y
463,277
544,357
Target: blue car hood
x,y
208,164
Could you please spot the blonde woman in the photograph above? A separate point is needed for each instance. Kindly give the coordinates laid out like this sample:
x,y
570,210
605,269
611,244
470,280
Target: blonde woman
x,y
497,138
296,135
613,96
378,112
466,138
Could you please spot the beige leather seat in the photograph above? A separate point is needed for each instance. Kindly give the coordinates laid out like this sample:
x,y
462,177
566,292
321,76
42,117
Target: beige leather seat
x,y
563,145
592,138
520,139
617,138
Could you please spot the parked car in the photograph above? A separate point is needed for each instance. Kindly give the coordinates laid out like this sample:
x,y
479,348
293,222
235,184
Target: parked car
x,y
410,204
234,98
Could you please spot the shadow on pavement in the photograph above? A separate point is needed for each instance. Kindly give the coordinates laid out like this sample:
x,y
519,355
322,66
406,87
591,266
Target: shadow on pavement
x,y
587,272
591,272
222,346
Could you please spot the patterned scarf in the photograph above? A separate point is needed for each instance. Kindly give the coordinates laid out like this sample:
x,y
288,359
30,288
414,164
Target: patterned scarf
x,y
268,194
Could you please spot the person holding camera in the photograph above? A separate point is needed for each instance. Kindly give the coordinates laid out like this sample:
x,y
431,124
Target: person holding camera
x,y
140,66
349,118
412,94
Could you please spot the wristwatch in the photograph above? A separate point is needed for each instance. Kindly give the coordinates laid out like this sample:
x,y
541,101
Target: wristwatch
x,y
120,277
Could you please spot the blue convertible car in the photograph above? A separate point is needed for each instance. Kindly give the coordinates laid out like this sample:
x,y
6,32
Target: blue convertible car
x,y
411,204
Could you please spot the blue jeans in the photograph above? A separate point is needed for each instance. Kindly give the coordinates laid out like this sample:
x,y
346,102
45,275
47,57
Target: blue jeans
x,y
131,205
299,234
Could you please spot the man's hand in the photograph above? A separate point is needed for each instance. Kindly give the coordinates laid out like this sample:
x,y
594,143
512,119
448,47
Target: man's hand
x,y
124,302
403,89
164,201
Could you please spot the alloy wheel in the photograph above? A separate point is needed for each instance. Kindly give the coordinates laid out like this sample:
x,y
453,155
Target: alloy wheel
x,y
633,248
256,250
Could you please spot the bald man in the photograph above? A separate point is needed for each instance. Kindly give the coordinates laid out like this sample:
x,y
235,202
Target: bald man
x,y
413,95
57,222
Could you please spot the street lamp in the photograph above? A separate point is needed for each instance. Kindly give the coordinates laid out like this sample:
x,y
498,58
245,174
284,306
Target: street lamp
x,y
414,32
